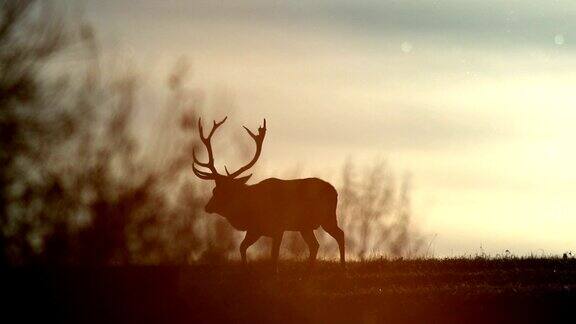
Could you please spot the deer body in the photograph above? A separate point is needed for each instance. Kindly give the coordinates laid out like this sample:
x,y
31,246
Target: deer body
x,y
273,206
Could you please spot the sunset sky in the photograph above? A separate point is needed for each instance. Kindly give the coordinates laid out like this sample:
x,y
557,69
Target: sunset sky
x,y
475,99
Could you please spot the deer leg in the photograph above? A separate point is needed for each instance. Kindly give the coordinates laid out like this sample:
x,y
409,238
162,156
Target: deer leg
x,y
249,239
312,242
276,241
338,234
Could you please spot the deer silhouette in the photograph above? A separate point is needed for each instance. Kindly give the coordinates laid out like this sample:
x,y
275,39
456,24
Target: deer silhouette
x,y
272,206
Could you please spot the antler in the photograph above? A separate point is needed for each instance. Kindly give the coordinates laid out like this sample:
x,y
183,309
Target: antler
x,y
259,139
213,174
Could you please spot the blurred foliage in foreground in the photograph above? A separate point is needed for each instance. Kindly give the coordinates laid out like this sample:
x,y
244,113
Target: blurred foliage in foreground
x,y
78,187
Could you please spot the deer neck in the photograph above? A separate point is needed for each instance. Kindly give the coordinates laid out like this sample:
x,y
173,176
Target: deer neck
x,y
239,212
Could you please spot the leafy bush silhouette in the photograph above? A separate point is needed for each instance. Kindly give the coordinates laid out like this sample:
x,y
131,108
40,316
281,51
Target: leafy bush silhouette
x,y
75,188
27,41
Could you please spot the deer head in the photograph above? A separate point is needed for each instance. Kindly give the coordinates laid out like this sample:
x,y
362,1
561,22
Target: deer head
x,y
230,185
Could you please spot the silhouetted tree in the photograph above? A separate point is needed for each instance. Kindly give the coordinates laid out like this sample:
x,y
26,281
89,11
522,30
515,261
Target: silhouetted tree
x,y
74,187
29,124
376,212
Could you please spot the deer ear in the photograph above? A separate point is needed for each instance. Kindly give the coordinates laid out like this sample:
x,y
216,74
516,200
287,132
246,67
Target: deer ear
x,y
243,179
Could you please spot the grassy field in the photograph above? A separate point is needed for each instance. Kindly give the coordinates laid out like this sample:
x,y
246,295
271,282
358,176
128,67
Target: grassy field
x,y
424,291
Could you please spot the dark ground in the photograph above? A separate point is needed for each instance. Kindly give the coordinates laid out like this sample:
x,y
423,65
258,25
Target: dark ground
x,y
424,291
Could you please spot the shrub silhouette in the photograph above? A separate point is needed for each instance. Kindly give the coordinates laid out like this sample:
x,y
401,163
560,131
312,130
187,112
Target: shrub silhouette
x,y
377,212
74,189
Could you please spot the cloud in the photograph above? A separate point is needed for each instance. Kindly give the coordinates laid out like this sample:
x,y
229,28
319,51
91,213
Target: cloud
x,y
515,23
401,128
